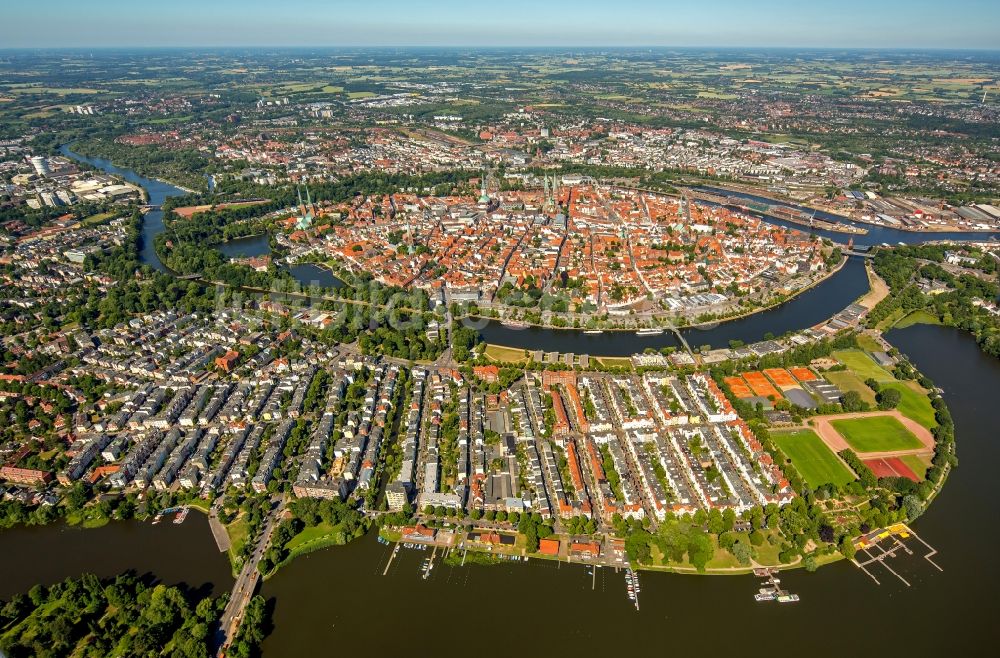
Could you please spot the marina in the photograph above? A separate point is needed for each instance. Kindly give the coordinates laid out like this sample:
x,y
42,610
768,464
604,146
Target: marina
x,y
881,546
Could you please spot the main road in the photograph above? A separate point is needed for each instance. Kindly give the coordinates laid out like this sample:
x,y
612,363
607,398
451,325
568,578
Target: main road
x,y
246,582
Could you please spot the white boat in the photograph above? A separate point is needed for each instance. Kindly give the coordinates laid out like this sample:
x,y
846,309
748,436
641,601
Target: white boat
x,y
649,332
593,332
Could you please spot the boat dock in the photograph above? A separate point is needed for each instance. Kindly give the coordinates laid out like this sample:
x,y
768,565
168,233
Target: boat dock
x,y
880,546
771,590
392,557
632,586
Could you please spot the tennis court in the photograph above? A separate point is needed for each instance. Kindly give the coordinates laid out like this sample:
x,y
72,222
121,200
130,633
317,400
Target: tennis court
x,y
760,385
804,374
781,377
738,387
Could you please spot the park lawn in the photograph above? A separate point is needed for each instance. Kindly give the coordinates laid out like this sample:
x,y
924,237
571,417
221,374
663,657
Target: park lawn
x,y
876,434
814,461
389,534
914,404
505,354
863,365
767,553
315,537
237,531
199,504
848,381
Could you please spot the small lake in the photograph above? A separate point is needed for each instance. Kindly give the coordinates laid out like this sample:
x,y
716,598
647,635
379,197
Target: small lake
x,y
248,247
310,274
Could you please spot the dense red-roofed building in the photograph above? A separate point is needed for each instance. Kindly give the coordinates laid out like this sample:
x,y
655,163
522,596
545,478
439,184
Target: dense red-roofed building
x,y
227,361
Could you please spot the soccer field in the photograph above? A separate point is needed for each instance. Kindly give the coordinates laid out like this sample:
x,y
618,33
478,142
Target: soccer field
x,y
876,434
814,461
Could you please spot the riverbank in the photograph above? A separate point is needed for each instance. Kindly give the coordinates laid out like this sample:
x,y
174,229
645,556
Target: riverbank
x,y
668,324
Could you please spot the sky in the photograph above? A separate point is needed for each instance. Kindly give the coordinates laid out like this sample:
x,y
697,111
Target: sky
x,y
740,23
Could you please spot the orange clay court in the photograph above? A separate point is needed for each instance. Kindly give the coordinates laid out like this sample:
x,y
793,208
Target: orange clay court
x,y
738,387
760,385
781,378
804,374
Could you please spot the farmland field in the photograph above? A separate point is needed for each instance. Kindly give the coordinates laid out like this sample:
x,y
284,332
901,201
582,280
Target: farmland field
x,y
812,459
876,434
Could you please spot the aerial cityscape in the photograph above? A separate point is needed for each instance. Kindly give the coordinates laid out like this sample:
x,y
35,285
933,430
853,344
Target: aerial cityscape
x,y
323,320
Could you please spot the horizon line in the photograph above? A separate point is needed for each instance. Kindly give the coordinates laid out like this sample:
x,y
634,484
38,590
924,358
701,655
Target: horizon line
x,y
500,46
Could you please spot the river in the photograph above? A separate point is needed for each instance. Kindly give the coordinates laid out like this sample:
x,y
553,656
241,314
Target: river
x,y
809,308
156,192
152,225
175,554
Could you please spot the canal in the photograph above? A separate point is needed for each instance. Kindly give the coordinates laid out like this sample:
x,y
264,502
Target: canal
x,y
339,598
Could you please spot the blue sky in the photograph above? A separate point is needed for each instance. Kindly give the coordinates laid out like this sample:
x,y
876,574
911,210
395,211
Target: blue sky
x,y
846,23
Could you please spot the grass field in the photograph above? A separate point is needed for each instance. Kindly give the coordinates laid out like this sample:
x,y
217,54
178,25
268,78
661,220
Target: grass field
x,y
615,361
815,462
876,434
863,365
917,464
848,381
868,343
916,317
314,537
98,218
505,354
914,404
